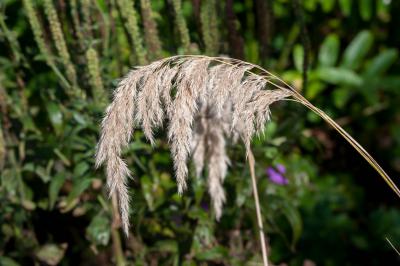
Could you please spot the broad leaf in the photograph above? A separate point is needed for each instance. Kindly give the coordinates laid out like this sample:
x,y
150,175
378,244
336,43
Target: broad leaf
x,y
329,51
381,63
339,76
357,50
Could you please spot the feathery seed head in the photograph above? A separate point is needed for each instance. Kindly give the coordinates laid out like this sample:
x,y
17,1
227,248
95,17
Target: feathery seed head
x,y
205,101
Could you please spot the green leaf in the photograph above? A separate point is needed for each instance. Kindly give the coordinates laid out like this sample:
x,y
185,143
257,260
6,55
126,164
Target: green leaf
x,y
28,205
251,50
388,83
189,263
51,254
43,174
294,219
383,10
339,76
298,57
327,5
6,261
28,124
80,169
357,49
198,213
80,119
54,188
63,158
329,51
341,97
271,152
310,5
203,237
215,253
55,116
78,188
147,186
345,6
381,63
98,231
314,89
29,167
170,246
365,7
138,145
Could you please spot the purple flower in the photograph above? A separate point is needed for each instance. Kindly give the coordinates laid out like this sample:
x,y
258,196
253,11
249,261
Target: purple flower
x,y
205,206
281,168
277,175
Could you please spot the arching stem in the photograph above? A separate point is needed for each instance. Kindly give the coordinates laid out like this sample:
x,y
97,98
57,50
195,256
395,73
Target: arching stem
x,y
116,239
258,209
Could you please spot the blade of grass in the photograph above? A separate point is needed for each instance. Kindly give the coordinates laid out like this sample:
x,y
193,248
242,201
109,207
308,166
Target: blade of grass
x,y
390,243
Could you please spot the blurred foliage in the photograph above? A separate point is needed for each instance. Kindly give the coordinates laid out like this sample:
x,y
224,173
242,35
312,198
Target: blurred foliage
x,y
59,63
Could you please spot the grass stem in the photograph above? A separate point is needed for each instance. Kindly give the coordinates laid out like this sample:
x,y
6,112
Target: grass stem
x,y
116,239
258,209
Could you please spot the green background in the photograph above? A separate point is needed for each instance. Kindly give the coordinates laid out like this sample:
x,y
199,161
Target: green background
x,y
335,210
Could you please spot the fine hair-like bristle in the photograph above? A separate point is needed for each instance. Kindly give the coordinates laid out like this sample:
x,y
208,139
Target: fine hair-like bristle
x,y
228,96
205,100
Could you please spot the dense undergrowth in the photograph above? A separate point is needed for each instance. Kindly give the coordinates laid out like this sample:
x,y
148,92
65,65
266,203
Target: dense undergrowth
x,y
60,61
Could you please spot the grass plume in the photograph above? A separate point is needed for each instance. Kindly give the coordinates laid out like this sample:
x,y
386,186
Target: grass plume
x,y
98,92
86,9
205,101
181,25
61,46
130,17
39,37
76,22
209,26
150,30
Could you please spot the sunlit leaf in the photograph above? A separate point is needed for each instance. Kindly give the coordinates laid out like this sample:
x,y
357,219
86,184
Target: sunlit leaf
x,y
339,76
166,246
345,6
215,253
51,254
327,5
55,185
365,8
55,116
298,57
98,230
357,49
329,51
6,261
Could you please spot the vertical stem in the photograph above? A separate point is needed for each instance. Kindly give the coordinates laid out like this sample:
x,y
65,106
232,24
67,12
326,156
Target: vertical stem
x,y
116,223
257,203
129,15
151,35
181,25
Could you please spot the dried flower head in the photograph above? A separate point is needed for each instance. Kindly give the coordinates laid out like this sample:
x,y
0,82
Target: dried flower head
x,y
205,100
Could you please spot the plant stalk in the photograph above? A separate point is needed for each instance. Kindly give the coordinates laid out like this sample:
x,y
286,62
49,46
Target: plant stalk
x,y
258,209
116,239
